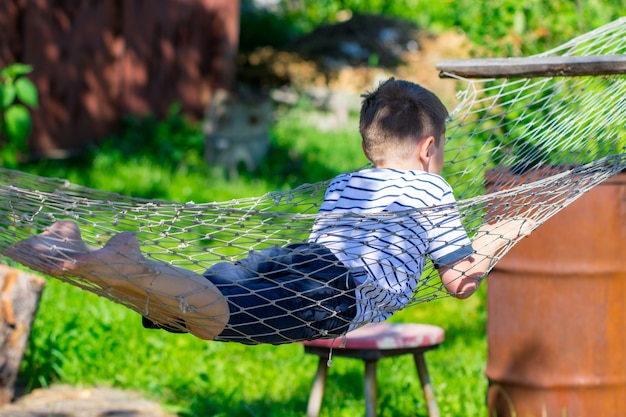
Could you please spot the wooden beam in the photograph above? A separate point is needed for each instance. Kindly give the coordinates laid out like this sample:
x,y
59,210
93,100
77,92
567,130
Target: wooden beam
x,y
550,66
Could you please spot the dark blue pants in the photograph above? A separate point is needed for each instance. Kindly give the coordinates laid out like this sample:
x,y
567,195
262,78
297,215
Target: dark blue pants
x,y
282,295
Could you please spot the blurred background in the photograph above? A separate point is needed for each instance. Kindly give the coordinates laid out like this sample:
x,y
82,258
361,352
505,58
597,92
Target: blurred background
x,y
208,100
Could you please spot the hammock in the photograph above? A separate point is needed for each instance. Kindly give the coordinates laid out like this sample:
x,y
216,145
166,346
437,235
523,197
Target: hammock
x,y
516,148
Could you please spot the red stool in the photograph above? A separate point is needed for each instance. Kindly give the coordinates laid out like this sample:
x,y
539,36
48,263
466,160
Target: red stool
x,y
371,343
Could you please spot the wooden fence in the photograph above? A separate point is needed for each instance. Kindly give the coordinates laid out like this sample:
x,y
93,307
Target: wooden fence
x,y
95,61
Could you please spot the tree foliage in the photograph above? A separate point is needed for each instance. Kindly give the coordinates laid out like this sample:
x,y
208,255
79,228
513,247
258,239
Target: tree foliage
x,y
501,28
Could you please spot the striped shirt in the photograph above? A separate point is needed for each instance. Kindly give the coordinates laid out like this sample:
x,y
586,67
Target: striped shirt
x,y
369,221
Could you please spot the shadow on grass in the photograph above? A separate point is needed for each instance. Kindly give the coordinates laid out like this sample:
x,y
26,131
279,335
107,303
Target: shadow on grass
x,y
344,384
340,386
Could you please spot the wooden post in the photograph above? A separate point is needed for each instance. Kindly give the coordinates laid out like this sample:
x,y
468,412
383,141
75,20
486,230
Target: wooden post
x,y
19,297
528,67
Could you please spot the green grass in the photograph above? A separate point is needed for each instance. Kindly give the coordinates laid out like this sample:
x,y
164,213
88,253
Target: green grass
x,y
81,339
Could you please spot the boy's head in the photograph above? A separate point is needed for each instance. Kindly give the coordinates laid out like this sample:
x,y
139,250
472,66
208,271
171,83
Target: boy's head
x,y
397,120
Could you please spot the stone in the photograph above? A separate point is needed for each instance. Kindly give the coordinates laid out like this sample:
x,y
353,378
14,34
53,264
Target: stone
x,y
68,401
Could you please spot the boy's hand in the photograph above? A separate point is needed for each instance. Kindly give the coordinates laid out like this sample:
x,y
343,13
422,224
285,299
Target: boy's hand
x,y
463,278
510,228
524,226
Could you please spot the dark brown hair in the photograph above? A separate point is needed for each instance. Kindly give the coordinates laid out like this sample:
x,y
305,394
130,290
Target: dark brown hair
x,y
397,115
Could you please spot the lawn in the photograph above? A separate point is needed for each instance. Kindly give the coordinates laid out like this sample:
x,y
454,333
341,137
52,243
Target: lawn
x,y
84,340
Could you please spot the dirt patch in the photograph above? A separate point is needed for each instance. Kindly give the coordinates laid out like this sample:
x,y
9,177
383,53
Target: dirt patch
x,y
66,401
353,55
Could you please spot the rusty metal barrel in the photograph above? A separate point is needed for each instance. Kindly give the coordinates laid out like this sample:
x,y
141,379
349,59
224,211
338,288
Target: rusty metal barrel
x,y
556,325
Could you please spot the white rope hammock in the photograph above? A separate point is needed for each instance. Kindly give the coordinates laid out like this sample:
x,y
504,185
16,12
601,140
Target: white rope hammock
x,y
516,148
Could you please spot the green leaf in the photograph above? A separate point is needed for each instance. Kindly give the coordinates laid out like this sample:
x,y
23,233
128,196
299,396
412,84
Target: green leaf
x,y
8,157
27,92
16,70
17,124
7,95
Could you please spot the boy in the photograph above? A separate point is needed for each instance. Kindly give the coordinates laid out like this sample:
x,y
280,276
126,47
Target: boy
x,y
364,258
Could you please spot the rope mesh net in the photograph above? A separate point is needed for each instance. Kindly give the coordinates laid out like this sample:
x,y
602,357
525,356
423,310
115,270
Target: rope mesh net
x,y
516,149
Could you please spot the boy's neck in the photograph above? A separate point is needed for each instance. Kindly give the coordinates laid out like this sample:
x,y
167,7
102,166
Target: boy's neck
x,y
404,166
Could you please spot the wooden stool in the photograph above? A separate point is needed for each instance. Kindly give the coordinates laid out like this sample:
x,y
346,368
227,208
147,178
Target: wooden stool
x,y
371,343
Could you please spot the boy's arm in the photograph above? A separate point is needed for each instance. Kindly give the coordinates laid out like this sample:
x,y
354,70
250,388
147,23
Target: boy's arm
x,y
462,278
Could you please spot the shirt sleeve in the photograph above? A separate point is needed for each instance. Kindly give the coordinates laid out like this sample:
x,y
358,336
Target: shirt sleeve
x,y
447,238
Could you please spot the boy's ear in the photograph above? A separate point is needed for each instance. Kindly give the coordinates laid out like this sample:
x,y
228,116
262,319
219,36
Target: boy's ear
x,y
425,149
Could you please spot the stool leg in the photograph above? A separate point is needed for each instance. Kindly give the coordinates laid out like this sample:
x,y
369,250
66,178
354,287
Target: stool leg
x,y
429,394
317,391
371,389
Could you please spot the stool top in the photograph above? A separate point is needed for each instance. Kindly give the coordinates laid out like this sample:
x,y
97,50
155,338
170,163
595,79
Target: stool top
x,y
386,336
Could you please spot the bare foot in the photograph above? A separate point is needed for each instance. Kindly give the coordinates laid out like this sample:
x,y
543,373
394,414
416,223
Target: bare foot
x,y
118,264
52,251
120,269
60,250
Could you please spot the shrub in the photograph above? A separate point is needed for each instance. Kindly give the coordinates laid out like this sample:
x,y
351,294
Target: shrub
x,y
17,93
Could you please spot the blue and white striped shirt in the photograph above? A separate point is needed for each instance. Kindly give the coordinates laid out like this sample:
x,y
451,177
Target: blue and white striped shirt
x,y
382,222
